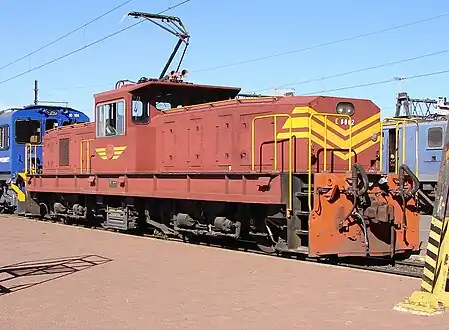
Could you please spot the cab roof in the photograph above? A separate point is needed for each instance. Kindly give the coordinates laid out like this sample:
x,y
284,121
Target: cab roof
x,y
169,87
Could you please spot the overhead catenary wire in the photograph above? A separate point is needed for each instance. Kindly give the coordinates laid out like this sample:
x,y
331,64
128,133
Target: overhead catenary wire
x,y
346,73
66,35
363,35
86,46
323,45
374,83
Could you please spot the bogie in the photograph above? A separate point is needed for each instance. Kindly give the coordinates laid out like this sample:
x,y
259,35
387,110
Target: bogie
x,y
175,218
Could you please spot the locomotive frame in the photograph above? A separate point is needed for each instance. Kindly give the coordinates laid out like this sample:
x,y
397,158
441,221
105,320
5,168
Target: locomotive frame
x,y
280,200
204,168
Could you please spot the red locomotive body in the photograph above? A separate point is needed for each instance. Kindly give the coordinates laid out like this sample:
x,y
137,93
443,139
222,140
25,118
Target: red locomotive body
x,y
296,174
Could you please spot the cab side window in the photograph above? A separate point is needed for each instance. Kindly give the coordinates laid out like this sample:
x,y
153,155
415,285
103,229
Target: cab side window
x,y
4,137
27,131
110,119
435,138
140,113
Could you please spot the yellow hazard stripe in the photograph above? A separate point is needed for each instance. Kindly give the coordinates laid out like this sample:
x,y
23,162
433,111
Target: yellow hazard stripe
x,y
20,193
431,265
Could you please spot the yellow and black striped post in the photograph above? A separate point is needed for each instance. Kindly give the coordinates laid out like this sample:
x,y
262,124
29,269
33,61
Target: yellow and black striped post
x,y
433,297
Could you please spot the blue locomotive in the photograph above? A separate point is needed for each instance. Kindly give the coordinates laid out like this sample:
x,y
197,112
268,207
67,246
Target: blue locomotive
x,y
21,138
416,139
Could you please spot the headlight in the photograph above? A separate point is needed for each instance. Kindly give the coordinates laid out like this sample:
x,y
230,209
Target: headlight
x,y
345,108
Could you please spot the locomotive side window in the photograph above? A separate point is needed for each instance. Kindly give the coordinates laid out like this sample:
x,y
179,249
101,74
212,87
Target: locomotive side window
x,y
163,106
435,137
64,152
140,111
27,131
4,137
50,124
111,119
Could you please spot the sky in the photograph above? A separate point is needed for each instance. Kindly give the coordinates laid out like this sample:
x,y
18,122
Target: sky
x,y
224,33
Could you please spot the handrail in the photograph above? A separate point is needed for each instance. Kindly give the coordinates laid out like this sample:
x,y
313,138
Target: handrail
x,y
309,165
404,139
275,165
29,167
87,141
333,150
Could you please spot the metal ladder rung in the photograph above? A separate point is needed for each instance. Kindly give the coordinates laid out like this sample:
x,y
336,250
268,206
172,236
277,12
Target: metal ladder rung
x,y
302,213
302,232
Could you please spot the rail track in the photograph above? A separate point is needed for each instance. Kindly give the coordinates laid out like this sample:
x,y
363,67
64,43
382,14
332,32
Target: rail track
x,y
407,268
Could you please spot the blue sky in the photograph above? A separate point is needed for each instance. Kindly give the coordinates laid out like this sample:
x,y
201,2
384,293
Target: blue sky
x,y
224,32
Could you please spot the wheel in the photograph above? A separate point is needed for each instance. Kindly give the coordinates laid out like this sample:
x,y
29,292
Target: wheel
x,y
266,245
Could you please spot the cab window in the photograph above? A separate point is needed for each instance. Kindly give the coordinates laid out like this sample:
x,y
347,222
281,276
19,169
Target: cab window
x,y
110,119
27,131
140,113
4,137
50,124
435,138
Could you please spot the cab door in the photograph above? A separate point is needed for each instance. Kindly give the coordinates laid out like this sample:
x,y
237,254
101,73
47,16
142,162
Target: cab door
x,y
28,131
389,150
407,146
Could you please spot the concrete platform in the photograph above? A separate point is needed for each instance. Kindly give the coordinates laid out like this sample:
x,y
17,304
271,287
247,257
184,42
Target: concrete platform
x,y
101,280
424,227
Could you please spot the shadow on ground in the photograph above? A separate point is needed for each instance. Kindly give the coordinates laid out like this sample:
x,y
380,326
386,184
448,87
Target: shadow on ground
x,y
26,274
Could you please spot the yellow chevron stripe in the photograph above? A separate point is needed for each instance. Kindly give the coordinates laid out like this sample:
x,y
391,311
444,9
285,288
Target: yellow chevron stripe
x,y
319,141
332,137
330,124
342,141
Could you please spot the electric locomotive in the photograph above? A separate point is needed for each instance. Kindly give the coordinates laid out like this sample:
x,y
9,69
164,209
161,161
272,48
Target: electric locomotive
x,y
416,139
21,139
295,174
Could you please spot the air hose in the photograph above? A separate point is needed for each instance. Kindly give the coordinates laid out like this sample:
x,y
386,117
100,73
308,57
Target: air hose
x,y
406,195
356,192
404,168
357,170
